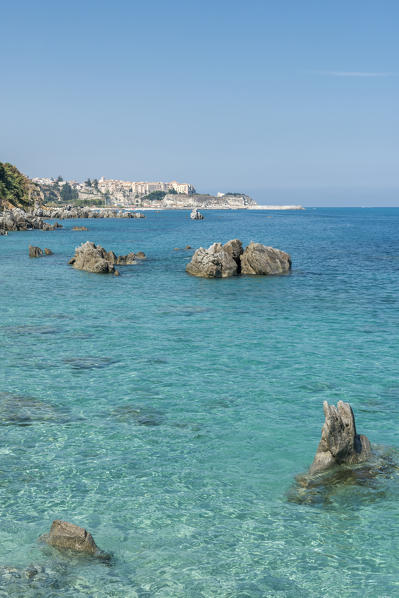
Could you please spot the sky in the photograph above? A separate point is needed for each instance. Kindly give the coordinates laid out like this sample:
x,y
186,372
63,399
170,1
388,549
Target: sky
x,y
289,101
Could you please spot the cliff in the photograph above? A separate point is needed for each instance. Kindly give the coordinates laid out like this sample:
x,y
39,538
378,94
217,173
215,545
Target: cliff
x,y
182,201
16,190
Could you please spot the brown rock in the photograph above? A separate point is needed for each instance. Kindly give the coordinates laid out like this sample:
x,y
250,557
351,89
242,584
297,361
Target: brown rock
x,y
35,251
80,228
339,444
116,273
187,247
140,255
48,251
94,258
65,535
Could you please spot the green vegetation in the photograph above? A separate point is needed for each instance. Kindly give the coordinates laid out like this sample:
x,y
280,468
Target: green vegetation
x,y
16,190
81,203
68,194
155,195
88,183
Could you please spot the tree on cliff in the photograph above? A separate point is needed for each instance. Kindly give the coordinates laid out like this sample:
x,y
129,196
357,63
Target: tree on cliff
x,y
68,194
16,190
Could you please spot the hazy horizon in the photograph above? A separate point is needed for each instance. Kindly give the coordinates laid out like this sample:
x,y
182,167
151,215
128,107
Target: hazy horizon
x,y
285,100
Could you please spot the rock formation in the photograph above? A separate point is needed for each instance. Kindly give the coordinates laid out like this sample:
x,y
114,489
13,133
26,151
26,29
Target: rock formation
x,y
339,444
64,212
196,215
262,260
66,535
215,262
94,258
80,228
17,219
222,261
37,252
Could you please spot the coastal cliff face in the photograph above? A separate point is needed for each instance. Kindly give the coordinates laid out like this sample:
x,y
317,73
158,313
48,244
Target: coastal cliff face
x,y
16,190
206,202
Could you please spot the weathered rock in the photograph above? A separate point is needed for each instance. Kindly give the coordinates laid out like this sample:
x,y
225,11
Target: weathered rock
x,y
70,211
94,258
234,248
80,228
339,444
187,247
48,251
140,255
35,251
196,215
259,259
116,273
17,219
65,535
214,262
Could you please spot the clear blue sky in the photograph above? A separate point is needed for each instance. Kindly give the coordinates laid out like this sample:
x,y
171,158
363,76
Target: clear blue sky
x,y
287,100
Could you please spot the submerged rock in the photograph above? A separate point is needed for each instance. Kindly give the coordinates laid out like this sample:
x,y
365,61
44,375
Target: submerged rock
x,y
339,444
79,228
65,535
48,251
259,259
94,258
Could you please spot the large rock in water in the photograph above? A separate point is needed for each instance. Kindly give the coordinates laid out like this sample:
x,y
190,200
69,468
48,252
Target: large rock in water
x,y
215,262
94,258
67,535
339,444
259,259
221,261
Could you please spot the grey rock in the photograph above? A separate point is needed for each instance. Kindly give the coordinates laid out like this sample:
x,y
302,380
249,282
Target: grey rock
x,y
214,262
234,248
260,259
339,444
65,535
196,215
94,258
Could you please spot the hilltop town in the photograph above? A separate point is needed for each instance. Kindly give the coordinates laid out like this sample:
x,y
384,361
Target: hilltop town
x,y
137,194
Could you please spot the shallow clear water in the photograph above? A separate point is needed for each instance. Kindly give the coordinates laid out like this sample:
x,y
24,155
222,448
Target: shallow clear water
x,y
169,415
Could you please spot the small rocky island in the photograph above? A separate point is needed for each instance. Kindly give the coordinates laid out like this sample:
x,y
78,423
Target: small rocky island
x,y
196,214
230,259
68,536
94,258
340,444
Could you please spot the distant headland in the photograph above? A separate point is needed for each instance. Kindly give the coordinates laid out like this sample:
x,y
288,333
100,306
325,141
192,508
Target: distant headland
x,y
114,193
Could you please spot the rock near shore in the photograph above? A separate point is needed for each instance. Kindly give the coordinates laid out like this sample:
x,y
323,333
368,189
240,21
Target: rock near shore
x,y
94,258
222,261
17,219
340,444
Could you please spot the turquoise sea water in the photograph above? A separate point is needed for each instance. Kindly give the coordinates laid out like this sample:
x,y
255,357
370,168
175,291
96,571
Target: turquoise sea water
x,y
169,415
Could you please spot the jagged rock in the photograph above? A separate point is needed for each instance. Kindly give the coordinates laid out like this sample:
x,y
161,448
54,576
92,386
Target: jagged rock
x,y
259,259
17,219
234,248
94,258
196,215
65,535
214,262
339,444
35,251
80,228
65,212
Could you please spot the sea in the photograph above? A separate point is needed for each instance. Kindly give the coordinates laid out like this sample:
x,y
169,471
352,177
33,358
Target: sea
x,y
173,416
